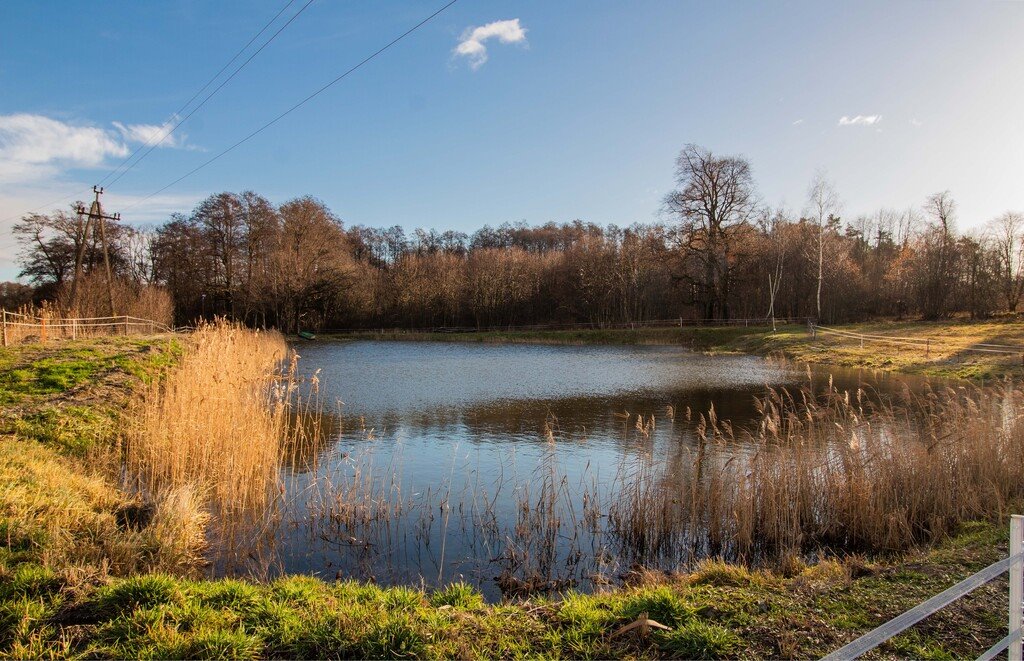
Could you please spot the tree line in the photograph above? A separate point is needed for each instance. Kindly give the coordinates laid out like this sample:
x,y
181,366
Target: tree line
x,y
718,252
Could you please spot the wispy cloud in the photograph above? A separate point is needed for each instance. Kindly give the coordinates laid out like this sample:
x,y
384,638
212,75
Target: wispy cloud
x,y
471,44
36,148
915,122
152,134
798,122
860,120
38,157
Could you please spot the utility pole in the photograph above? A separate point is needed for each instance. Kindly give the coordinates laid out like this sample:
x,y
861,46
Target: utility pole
x,y
96,217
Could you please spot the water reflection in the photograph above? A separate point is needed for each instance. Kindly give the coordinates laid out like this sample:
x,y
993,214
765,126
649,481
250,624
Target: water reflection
x,y
504,465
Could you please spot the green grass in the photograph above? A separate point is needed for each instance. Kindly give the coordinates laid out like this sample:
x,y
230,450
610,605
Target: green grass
x,y
76,577
72,394
711,614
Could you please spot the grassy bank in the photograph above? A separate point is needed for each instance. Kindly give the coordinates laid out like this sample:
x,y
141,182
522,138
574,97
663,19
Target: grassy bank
x,y
948,355
89,570
719,611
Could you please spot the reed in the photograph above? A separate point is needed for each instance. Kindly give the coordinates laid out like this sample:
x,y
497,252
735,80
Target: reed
x,y
217,422
822,472
830,472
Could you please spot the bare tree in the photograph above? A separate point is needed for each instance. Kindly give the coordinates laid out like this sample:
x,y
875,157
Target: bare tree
x,y
823,203
1006,231
714,200
937,252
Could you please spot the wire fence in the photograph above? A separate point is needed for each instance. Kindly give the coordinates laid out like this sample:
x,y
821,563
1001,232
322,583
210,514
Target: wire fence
x,y
924,343
21,328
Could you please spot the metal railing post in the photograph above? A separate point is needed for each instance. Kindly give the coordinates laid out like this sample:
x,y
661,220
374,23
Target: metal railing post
x,y
1016,586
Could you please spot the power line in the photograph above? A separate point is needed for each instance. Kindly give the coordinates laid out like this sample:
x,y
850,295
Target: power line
x,y
203,88
297,105
184,106
210,95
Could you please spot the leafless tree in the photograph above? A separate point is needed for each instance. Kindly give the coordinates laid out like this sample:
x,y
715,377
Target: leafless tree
x,y
1006,234
714,200
823,203
937,254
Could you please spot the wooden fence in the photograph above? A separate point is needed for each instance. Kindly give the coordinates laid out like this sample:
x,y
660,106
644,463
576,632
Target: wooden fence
x,y
19,328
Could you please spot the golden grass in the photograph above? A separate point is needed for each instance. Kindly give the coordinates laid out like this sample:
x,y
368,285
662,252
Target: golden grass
x,y
77,521
216,423
832,472
948,352
56,320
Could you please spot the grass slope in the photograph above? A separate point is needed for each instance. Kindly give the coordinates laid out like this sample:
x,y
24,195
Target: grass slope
x,y
720,611
75,578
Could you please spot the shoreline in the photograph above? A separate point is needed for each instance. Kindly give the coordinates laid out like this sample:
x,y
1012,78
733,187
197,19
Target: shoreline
x,y
948,356
65,401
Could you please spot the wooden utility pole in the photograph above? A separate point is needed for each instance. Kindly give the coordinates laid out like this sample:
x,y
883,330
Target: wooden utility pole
x,y
83,240
95,217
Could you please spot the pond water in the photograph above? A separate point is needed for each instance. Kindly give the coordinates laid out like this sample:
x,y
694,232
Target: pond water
x,y
494,464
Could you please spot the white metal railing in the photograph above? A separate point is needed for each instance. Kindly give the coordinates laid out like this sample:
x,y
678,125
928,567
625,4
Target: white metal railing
x,y
18,327
1011,642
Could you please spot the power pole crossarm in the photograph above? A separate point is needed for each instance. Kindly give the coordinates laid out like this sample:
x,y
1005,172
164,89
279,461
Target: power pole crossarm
x,y
95,218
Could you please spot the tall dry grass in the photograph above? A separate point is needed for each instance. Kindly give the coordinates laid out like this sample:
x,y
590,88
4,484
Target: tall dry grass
x,y
62,321
216,422
831,472
130,298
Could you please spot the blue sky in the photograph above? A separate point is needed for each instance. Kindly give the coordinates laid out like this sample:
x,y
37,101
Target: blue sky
x,y
580,118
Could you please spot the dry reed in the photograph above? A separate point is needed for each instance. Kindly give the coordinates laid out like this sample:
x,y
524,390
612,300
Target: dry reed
x,y
830,472
216,422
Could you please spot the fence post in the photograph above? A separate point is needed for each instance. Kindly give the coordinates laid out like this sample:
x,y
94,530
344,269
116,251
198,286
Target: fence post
x,y
42,330
4,314
74,328
1016,586
927,348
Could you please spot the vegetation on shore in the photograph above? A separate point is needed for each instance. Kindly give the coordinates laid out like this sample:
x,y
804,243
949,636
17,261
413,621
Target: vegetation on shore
x,y
87,569
947,356
719,611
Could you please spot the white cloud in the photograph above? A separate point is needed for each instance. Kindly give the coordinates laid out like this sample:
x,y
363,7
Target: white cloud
x,y
152,134
38,152
860,120
915,122
471,44
798,122
35,148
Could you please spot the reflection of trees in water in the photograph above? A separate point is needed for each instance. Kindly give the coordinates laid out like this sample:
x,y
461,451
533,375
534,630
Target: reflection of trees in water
x,y
658,503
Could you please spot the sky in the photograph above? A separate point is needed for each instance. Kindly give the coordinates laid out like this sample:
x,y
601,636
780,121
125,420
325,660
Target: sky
x,y
501,111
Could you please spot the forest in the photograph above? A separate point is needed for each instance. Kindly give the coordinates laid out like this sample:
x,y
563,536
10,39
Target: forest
x,y
716,252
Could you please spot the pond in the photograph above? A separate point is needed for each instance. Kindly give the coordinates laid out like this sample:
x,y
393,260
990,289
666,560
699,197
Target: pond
x,y
497,465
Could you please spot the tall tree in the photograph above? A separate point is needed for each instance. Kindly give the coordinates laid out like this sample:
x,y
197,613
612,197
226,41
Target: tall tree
x,y
938,255
823,203
714,200
1006,231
